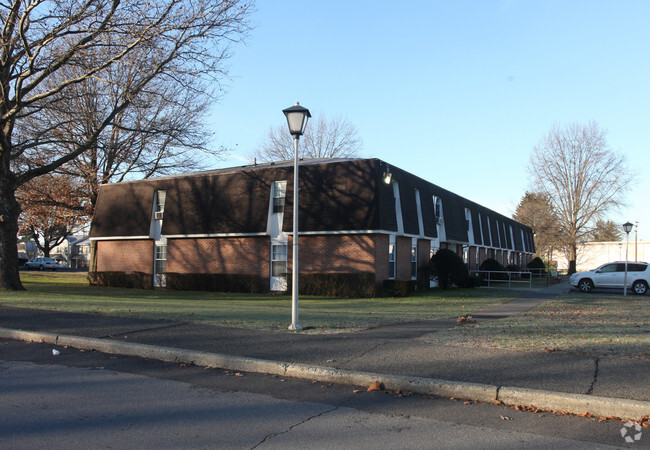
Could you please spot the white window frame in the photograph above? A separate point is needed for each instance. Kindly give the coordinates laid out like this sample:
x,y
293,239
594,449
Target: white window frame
x,y
392,265
160,264
279,254
278,195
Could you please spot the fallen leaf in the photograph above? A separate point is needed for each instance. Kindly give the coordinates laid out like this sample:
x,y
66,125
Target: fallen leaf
x,y
467,318
376,386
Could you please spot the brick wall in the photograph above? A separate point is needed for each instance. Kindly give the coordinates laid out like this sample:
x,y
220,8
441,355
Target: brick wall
x,y
246,255
336,254
403,258
125,256
381,257
251,255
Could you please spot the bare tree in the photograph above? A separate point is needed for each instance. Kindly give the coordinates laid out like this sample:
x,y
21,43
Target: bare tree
x,y
50,48
161,132
53,209
336,138
581,176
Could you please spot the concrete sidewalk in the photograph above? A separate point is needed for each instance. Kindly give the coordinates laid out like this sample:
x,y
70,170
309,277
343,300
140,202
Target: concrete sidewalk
x,y
392,351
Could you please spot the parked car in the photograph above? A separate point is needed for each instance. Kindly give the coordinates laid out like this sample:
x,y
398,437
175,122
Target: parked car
x,y
42,264
612,275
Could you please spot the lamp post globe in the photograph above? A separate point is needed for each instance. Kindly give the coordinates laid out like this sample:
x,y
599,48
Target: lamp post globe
x,y
297,117
627,227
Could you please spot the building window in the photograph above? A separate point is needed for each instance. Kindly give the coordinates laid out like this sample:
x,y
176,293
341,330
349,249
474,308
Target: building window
x,y
437,209
278,260
279,196
161,258
159,206
414,260
160,266
391,258
162,196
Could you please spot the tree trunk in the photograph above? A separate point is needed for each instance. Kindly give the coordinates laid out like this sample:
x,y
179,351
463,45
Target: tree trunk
x,y
9,212
573,251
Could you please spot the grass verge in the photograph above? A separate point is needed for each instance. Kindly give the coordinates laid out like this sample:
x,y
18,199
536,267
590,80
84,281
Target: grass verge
x,y
70,292
595,324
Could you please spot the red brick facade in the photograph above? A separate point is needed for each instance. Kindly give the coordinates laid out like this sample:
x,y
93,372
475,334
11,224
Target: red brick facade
x,y
356,253
125,256
244,255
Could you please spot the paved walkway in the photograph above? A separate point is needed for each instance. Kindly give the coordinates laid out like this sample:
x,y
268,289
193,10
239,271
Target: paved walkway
x,y
394,349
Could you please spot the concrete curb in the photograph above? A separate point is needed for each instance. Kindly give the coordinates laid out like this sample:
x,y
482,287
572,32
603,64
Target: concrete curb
x,y
553,401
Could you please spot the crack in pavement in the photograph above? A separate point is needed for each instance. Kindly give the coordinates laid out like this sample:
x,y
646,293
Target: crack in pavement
x,y
368,351
272,435
143,330
593,382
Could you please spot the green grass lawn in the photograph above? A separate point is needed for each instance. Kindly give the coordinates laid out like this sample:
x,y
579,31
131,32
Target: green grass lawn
x,y
70,292
597,324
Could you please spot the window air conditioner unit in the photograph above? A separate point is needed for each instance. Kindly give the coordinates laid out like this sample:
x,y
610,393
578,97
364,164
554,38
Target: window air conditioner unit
x,y
158,215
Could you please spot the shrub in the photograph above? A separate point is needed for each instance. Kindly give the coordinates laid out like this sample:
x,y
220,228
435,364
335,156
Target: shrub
x,y
471,281
536,263
133,280
217,282
449,267
514,268
398,288
492,265
341,285
537,266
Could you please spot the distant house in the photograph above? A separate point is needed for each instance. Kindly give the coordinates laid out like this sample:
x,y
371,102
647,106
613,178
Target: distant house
x,y
238,222
73,252
26,252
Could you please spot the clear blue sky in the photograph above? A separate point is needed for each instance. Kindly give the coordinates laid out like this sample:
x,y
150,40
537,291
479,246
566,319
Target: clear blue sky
x,y
456,92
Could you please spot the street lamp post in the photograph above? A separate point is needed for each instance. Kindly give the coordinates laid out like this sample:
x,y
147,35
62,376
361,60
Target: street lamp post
x,y
297,117
627,226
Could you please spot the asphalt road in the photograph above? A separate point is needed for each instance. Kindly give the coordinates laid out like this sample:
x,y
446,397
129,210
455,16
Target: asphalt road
x,y
91,400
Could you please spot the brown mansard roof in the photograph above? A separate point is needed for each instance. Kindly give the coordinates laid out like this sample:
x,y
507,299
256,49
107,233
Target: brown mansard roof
x,y
335,195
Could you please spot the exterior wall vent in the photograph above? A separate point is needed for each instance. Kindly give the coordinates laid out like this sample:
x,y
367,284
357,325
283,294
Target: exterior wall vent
x,y
158,215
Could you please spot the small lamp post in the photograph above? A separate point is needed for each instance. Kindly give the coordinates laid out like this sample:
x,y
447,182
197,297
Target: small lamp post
x,y
297,117
627,227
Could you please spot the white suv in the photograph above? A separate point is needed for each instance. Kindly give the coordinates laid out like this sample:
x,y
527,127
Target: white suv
x,y
612,275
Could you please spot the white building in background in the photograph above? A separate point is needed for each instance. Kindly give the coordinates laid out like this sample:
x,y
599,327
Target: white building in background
x,y
73,252
594,254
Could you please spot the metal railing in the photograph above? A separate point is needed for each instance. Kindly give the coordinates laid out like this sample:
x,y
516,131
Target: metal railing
x,y
509,277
